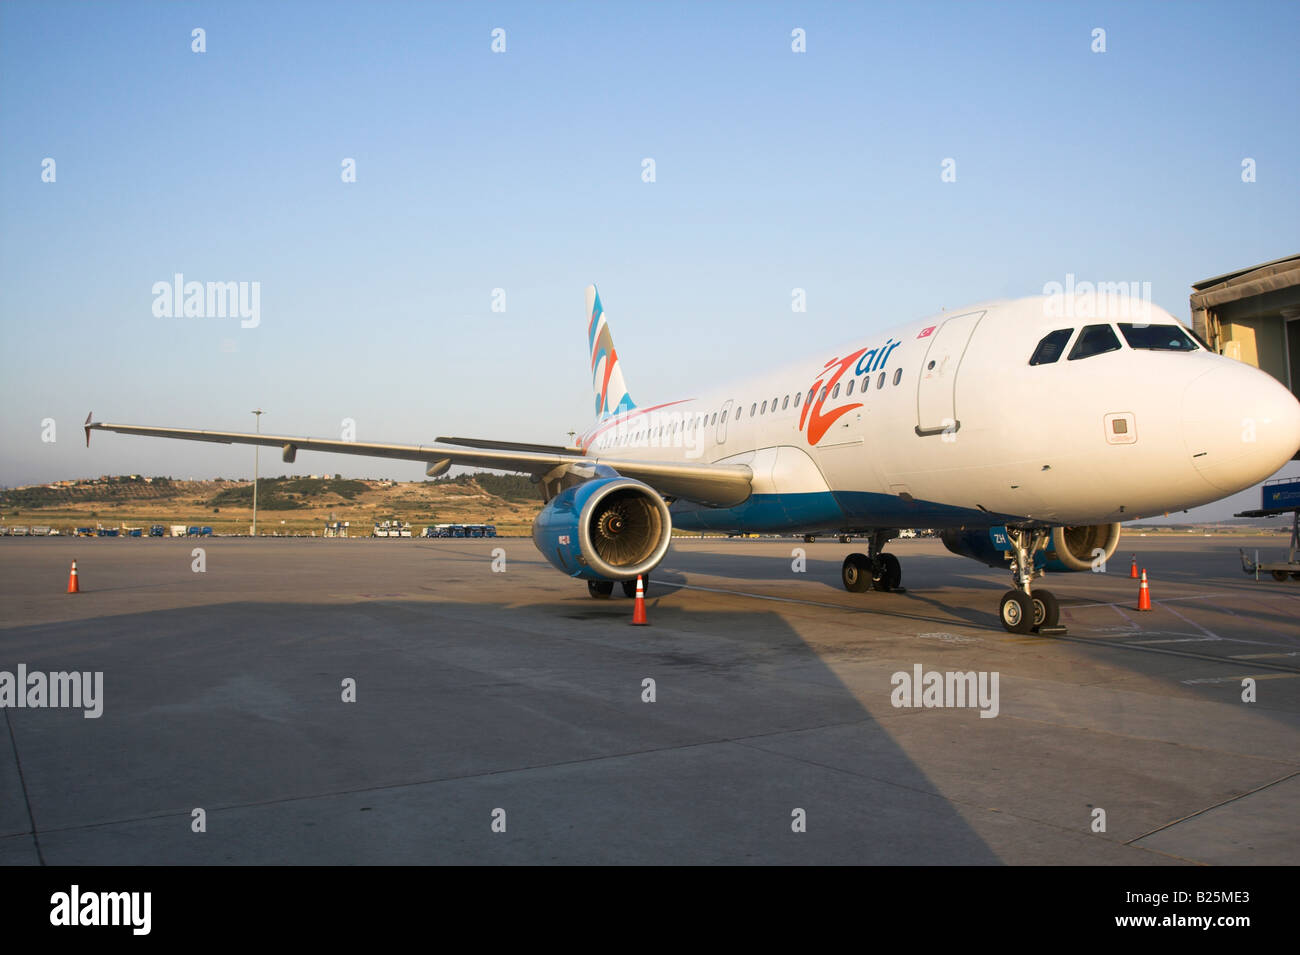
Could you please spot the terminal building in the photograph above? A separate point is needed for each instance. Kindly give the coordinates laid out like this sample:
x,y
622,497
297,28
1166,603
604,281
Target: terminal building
x,y
1253,315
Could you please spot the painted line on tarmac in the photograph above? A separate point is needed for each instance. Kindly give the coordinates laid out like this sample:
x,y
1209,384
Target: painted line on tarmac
x,y
1210,634
1244,676
1176,640
1163,600
1169,651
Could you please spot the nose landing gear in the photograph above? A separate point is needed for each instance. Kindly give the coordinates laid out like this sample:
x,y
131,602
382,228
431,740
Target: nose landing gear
x,y
1025,610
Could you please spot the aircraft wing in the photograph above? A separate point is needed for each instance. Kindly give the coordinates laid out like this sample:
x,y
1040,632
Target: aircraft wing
x,y
720,485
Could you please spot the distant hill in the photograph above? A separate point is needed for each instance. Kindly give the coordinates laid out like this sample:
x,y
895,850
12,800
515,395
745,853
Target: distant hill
x,y
288,503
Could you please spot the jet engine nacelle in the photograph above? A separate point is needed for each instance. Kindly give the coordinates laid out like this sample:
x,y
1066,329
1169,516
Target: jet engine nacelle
x,y
1071,548
604,529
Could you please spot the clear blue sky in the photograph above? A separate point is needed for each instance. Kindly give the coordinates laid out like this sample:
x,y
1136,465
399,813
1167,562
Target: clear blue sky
x,y
522,171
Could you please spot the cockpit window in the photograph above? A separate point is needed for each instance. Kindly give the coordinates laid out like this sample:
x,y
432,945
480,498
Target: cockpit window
x,y
1094,340
1051,347
1156,337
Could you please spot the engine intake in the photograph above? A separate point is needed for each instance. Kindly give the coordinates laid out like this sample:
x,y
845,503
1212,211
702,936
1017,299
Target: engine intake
x,y
605,529
1076,548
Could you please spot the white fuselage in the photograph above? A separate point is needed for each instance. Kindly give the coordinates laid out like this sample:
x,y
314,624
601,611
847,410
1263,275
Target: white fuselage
x,y
948,423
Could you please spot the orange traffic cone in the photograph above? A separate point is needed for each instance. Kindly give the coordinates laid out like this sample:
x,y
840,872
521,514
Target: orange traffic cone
x,y
73,586
1144,593
1133,569
638,610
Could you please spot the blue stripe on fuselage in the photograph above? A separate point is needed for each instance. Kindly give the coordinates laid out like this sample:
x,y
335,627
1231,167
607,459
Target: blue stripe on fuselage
x,y
827,511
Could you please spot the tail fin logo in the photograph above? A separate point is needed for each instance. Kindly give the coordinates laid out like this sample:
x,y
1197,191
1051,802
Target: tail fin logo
x,y
606,371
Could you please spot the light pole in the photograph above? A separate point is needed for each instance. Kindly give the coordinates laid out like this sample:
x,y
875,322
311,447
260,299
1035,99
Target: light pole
x,y
257,417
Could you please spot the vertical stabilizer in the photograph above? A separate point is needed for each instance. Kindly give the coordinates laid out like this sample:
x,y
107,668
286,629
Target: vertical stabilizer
x,y
606,369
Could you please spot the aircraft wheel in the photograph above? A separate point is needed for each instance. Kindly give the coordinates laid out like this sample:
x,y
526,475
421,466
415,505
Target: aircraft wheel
x,y
1279,575
1295,575
845,539
600,588
629,586
893,571
856,573
889,573
1016,611
1047,609
809,538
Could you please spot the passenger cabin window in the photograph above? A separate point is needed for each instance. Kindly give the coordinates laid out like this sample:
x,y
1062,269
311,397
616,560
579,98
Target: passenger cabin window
x,y
786,403
763,410
1156,337
880,381
724,417
849,390
866,383
773,406
1051,347
714,419
836,392
898,375
1094,340
797,395
753,409
823,398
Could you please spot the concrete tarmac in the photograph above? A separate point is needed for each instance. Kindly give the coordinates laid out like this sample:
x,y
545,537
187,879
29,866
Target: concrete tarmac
x,y
508,698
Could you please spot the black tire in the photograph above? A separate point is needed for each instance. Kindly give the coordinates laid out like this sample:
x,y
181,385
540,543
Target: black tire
x,y
1295,575
1047,609
600,589
855,573
1016,612
1279,575
846,539
809,538
893,571
629,586
888,573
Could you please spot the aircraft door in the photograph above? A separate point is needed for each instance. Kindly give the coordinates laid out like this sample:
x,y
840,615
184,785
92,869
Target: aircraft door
x,y
936,399
723,415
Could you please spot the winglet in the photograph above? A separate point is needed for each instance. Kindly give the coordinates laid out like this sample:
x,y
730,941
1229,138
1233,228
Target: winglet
x,y
88,417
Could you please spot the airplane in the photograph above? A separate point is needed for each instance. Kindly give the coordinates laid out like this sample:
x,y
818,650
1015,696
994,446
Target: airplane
x,y
1025,431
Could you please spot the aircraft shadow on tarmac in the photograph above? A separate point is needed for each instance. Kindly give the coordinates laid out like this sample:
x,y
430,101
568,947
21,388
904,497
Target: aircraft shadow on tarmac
x,y
460,709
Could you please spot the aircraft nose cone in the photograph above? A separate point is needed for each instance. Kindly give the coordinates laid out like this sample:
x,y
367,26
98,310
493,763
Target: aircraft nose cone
x,y
1240,425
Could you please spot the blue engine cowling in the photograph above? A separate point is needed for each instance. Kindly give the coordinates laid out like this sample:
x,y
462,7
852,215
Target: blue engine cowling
x,y
604,529
1071,548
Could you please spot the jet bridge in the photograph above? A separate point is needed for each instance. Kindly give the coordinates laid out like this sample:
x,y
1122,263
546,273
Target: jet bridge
x,y
1253,315
1281,496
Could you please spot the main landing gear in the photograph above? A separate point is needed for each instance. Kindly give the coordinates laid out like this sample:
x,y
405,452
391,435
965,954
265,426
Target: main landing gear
x,y
602,589
1025,610
875,570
